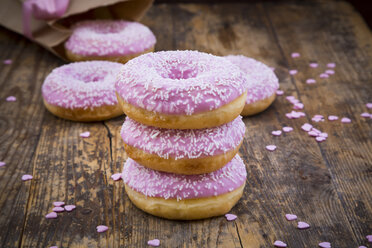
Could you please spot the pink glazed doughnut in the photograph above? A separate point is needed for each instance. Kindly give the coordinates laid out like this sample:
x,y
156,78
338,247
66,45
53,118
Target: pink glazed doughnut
x,y
83,91
181,90
185,197
117,41
261,93
190,151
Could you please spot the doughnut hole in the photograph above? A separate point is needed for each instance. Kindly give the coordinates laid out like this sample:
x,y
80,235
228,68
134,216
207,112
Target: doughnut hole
x,y
92,78
178,71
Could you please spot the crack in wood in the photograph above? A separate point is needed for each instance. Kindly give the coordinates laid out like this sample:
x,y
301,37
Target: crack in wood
x,y
109,135
237,231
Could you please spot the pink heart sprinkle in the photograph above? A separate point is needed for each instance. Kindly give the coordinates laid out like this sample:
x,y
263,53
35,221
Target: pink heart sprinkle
x,y
295,115
116,176
369,105
302,225
289,98
324,75
276,133
330,72
369,238
58,209
69,208
2,163
271,147
293,72
365,115
11,99
51,215
54,246
302,114
153,242
294,101
279,92
230,217
295,55
317,119
306,127
320,139
310,81
26,177
298,106
58,203
7,61
345,120
316,130
325,245
332,118
287,129
313,133
313,65
101,228
289,115
279,243
362,246
331,65
324,135
291,217
85,134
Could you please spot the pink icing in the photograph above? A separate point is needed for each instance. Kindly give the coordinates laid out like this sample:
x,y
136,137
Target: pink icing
x,y
178,144
174,186
82,85
264,83
180,82
109,38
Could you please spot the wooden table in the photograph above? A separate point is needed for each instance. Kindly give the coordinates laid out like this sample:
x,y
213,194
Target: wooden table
x,y
326,184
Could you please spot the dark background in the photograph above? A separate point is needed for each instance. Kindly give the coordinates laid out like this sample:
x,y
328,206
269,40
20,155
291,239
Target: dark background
x,y
365,8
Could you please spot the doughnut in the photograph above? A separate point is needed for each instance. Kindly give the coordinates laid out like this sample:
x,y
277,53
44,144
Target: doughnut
x,y
117,41
191,151
83,91
261,93
185,197
181,90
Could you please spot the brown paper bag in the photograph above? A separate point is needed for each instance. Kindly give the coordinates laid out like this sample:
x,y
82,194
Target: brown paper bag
x,y
52,34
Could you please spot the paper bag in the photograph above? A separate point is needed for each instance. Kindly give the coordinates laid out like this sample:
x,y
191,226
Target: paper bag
x,y
51,34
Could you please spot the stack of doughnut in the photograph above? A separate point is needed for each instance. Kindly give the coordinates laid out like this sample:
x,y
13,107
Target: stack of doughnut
x,y
182,133
85,91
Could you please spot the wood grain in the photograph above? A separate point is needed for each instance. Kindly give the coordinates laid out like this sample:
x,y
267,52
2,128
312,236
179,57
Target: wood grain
x,y
20,126
327,185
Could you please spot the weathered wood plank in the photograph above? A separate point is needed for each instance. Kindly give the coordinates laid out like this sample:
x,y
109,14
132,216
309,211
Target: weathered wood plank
x,y
333,32
71,169
20,125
